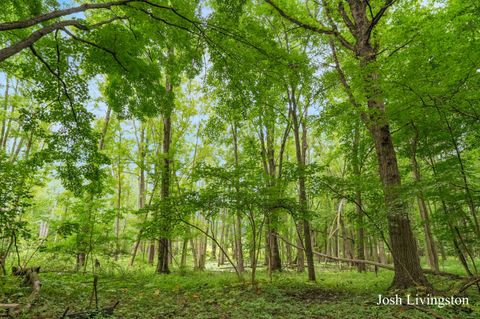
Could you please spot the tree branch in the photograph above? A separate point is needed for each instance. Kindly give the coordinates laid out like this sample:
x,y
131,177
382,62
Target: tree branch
x,y
151,15
346,18
310,27
59,13
64,85
379,15
37,35
113,53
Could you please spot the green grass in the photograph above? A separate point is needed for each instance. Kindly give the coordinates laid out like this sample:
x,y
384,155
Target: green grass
x,y
143,294
213,294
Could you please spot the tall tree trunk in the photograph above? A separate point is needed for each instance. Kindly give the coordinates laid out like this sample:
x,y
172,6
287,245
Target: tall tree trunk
x,y
275,263
403,246
5,110
361,267
183,261
301,148
163,248
300,252
106,122
408,272
118,208
214,245
238,219
194,252
288,252
141,184
422,207
223,235
6,128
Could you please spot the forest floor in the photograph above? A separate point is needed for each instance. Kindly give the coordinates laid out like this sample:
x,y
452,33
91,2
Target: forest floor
x,y
194,294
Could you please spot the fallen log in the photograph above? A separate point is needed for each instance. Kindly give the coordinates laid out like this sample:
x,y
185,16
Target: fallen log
x,y
10,308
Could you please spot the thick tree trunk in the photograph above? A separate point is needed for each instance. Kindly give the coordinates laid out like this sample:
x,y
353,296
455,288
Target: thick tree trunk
x,y
275,260
408,272
402,242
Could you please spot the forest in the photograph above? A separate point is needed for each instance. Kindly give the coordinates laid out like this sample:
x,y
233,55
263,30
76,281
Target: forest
x,y
240,159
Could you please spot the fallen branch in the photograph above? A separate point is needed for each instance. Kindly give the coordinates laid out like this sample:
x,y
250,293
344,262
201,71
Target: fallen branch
x,y
468,284
373,263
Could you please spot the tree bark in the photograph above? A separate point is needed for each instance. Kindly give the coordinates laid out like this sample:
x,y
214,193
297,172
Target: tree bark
x,y
408,272
163,247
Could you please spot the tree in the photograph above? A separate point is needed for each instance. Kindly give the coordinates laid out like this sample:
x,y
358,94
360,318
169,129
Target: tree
x,y
361,29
